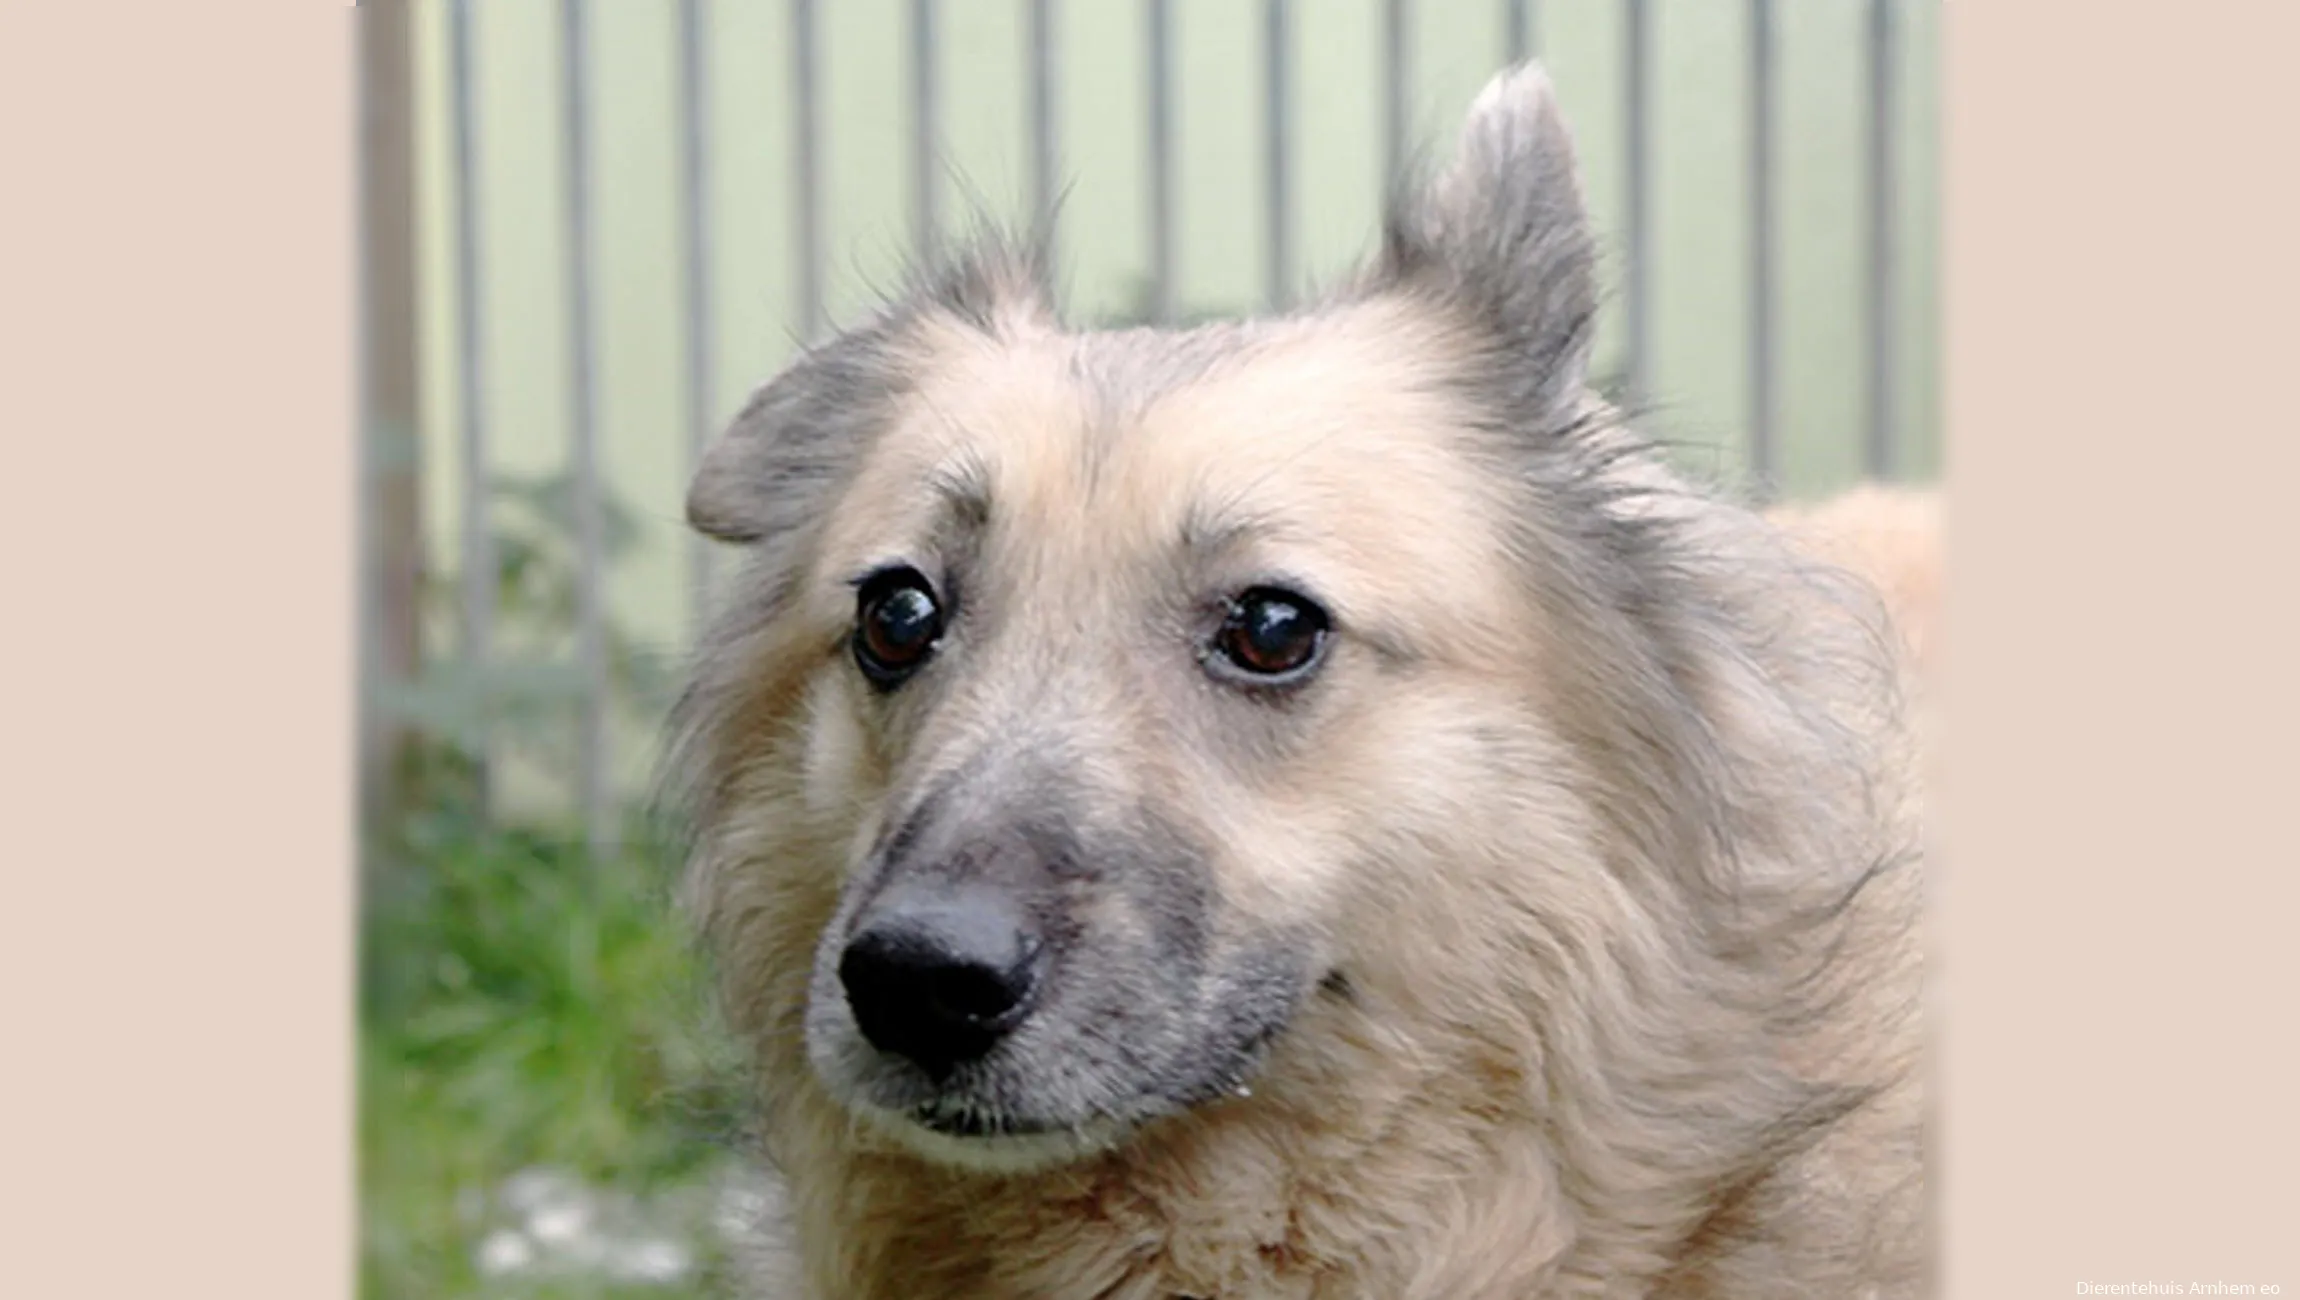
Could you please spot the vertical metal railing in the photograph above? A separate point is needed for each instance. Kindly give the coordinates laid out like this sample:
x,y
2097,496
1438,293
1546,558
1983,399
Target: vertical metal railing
x,y
1521,29
1045,141
925,130
1764,463
591,755
1637,217
1882,259
1160,16
1277,174
387,479
1397,61
806,170
702,337
1521,36
475,532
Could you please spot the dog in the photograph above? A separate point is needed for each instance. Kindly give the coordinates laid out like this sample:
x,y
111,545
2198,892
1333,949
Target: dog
x,y
1310,806
1892,537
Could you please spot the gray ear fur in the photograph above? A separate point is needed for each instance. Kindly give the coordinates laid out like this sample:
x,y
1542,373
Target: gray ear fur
x,y
767,474
797,435
1502,236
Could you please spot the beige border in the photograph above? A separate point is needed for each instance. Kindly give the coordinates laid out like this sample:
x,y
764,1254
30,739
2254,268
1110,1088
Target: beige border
x,y
174,282
175,544
2120,1068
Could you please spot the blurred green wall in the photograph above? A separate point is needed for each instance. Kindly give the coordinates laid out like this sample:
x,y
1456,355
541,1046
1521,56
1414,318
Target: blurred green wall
x,y
1699,277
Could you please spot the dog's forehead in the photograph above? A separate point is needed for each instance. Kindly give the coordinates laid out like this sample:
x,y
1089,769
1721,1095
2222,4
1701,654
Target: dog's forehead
x,y
1341,434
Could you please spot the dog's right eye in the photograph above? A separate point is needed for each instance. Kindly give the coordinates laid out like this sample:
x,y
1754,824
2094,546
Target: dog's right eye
x,y
897,623
1272,636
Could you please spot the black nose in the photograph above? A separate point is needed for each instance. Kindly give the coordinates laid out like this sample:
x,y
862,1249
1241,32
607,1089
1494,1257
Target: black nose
x,y
941,979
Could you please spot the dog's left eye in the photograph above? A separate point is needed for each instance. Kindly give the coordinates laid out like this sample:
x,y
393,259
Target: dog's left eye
x,y
897,622
1272,634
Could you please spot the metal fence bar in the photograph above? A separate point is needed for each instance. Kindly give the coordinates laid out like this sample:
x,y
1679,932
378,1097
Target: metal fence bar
x,y
1045,160
477,537
477,595
1883,195
1637,218
1397,31
702,406
806,182
387,498
1764,458
925,113
1278,173
1160,14
1524,30
590,558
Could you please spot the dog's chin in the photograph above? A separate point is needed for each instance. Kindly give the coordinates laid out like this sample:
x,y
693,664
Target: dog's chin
x,y
957,1137
898,1109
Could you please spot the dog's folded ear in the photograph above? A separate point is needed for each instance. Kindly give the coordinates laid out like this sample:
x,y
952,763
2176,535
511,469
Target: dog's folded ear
x,y
799,435
767,473
1502,235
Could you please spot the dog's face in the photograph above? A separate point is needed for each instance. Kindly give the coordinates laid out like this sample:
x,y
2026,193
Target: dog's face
x,y
1135,676
1116,672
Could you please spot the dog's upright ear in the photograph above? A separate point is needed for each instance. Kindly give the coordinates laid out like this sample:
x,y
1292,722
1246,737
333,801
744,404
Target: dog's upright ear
x,y
1502,236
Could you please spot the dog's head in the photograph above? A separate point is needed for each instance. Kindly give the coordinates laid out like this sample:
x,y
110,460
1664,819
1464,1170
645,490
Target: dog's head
x,y
1111,695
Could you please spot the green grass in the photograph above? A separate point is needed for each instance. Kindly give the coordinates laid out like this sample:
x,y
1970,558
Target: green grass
x,y
522,1006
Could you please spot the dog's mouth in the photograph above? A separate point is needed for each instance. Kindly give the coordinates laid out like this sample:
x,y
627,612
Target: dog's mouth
x,y
964,1136
960,1117
966,1121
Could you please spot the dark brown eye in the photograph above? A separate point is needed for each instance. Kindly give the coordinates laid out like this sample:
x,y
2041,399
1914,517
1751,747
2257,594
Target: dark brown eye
x,y
1272,634
897,623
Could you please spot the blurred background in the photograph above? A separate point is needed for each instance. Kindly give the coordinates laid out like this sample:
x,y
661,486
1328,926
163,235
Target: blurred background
x,y
590,230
